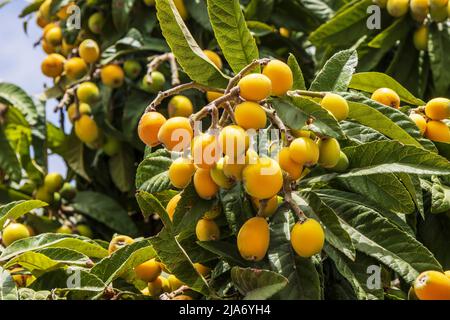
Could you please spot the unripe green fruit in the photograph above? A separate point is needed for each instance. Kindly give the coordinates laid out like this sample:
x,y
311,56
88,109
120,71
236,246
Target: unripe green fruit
x,y
56,200
155,84
88,92
43,195
329,152
96,22
65,229
132,69
68,192
14,232
112,146
397,8
342,164
85,231
53,182
219,176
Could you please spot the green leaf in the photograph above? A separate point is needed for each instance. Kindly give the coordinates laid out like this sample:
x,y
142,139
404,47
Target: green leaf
x,y
50,240
178,262
152,173
438,48
231,32
257,284
35,261
234,207
337,72
371,81
72,151
299,81
225,250
150,205
434,233
8,159
296,111
121,168
259,10
393,157
188,53
199,12
121,10
106,210
30,294
440,197
389,36
8,289
360,134
303,279
123,261
374,119
17,209
377,237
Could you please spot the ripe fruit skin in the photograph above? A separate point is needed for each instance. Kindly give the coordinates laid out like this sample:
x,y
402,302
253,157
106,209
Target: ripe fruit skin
x,y
284,32
149,126
207,230
264,179
148,271
386,96
176,134
53,182
155,288
270,208
447,273
44,9
420,122
174,282
307,238
86,129
280,75
19,277
181,172
329,152
204,185
66,48
89,51
132,69
233,168
233,141
253,239
336,105
203,270
75,68
255,87
85,231
218,175
48,49
420,38
432,285
53,65
43,195
172,205
293,168
180,106
437,131
179,4
96,22
53,36
397,8
438,109
205,150
112,76
214,58
84,108
211,95
250,115
111,147
154,82
342,164
119,242
14,232
419,9
88,92
304,151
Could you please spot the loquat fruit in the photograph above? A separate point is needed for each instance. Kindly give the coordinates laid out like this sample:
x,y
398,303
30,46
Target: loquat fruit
x,y
204,185
250,115
307,238
253,239
386,96
255,87
149,126
264,179
176,134
207,230
181,172
180,106
336,105
280,75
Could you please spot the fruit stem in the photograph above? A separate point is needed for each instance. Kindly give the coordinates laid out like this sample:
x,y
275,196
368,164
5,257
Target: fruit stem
x,y
252,65
173,294
275,119
287,189
175,90
314,94
262,207
156,61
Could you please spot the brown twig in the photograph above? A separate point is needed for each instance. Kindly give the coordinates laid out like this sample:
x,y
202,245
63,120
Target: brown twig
x,y
287,189
233,81
176,90
158,60
275,119
262,207
313,94
173,294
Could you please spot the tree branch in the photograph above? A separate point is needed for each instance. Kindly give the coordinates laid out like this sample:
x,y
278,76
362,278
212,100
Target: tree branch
x,y
287,189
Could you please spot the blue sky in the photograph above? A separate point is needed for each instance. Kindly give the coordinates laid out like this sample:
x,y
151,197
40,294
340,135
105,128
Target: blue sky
x,y
20,63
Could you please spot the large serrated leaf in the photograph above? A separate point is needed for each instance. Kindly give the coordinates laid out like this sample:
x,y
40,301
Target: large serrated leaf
x,y
8,158
233,204
438,48
440,197
337,72
232,34
17,209
152,172
434,232
150,205
106,210
8,289
256,284
188,53
225,250
299,81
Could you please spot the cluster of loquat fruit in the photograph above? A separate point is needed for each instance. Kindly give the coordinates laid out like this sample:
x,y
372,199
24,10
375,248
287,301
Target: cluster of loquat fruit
x,y
422,11
155,273
219,160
